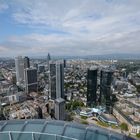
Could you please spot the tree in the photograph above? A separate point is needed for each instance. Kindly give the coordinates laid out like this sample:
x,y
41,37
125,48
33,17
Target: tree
x,y
124,127
138,135
81,104
68,106
84,122
75,104
138,88
84,117
72,105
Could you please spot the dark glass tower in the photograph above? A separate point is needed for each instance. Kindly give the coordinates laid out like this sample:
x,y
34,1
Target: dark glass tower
x,y
48,59
26,62
31,80
52,80
105,89
56,80
59,80
91,87
64,63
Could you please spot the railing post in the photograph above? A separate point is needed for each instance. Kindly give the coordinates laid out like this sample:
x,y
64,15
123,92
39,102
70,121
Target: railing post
x,y
10,137
55,137
33,136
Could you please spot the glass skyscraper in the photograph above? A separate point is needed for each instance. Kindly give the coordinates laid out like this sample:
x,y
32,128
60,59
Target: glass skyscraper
x,y
52,80
19,64
56,80
59,80
91,87
26,62
105,89
31,84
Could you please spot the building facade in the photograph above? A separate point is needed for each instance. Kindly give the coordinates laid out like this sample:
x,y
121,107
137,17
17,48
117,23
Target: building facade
x,y
65,63
41,68
59,80
133,128
26,62
31,84
52,80
19,65
48,59
60,109
105,89
91,87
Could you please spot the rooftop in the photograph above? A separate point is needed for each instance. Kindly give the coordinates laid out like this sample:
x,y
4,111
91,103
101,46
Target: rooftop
x,y
108,118
54,130
59,100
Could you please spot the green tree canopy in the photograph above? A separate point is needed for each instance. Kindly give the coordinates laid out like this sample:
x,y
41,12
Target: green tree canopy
x,y
72,105
124,126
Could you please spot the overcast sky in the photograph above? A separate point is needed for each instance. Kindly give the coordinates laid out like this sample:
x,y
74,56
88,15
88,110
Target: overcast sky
x,y
69,27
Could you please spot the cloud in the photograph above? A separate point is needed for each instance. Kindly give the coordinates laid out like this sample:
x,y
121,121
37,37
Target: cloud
x,y
3,6
87,27
3,49
37,44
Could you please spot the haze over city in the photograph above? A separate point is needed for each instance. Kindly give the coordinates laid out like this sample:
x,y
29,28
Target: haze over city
x,y
69,27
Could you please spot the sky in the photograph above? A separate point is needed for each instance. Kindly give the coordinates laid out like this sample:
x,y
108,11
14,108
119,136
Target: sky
x,y
69,27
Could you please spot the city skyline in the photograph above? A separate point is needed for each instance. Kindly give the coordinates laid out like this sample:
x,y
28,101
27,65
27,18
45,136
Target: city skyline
x,y
83,27
105,94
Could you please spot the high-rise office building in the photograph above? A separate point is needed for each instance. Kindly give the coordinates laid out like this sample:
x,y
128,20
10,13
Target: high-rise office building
x,y
19,64
105,89
41,68
26,62
31,84
48,59
64,63
52,80
59,80
91,87
35,65
60,109
56,79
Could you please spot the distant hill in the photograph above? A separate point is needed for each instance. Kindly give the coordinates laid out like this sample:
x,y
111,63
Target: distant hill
x,y
102,57
94,57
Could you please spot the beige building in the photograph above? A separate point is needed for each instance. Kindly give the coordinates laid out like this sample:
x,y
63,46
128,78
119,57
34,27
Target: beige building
x,y
134,127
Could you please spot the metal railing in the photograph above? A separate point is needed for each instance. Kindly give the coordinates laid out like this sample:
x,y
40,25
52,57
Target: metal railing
x,y
33,135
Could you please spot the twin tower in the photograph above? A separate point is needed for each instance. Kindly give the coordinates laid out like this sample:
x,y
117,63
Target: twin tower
x,y
104,96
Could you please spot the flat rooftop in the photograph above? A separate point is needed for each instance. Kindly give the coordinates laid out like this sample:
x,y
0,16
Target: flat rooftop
x,y
109,118
54,130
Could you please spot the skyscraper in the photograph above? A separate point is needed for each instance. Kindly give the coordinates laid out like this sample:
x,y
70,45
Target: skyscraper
x,y
56,79
52,80
64,63
91,87
26,62
41,68
19,64
31,84
105,89
35,65
60,109
48,59
59,80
